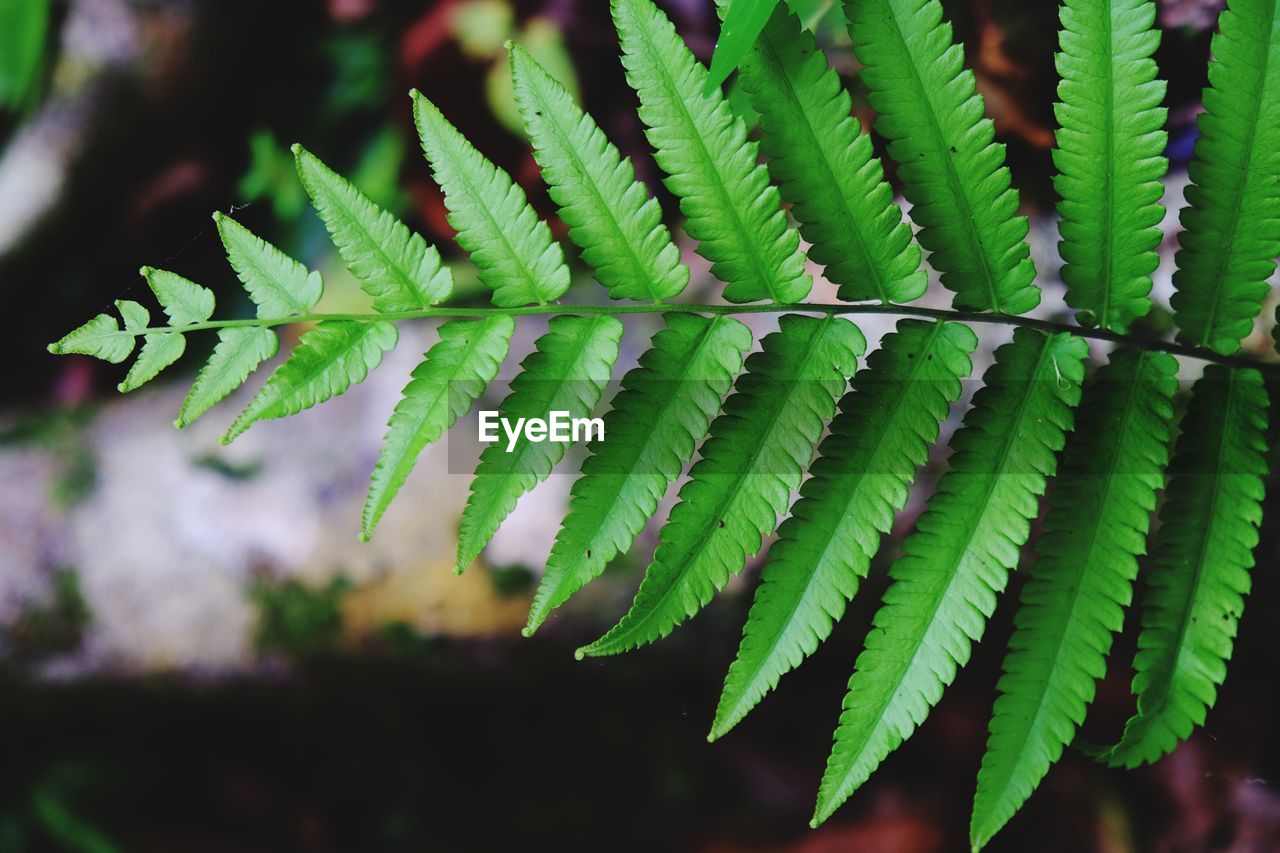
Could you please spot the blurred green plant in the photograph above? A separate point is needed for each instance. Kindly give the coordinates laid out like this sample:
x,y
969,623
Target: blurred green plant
x,y
299,619
24,31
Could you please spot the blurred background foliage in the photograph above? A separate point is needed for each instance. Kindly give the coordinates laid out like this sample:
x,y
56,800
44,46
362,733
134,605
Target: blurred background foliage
x,y
195,655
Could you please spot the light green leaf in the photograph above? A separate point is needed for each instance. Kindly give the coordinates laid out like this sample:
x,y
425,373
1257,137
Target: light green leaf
x,y
277,284
443,387
394,265
183,300
159,350
101,338
329,359
238,353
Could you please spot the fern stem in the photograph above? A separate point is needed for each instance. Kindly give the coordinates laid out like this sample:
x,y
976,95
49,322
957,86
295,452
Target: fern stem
x,y
1048,326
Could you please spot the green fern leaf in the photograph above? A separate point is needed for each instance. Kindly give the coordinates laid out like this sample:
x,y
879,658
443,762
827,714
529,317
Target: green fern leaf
x,y
567,372
454,373
1200,563
733,211
329,359
951,168
159,350
826,169
101,338
238,353
610,214
662,411
1231,225
755,458
183,300
1109,158
136,317
743,22
512,249
394,265
958,560
277,284
861,477
1077,592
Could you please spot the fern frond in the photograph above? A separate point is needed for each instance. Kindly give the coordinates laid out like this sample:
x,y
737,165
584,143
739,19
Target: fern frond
x,y
733,211
329,359
1231,224
825,167
881,435
452,375
1109,157
610,214
1200,563
238,353
1077,592
951,168
664,408
944,587
277,284
393,265
512,248
566,372
754,459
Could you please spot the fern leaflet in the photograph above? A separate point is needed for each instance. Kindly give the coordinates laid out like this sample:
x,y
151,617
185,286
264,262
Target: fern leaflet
x,y
394,266
1231,224
1075,597
512,249
944,587
1201,559
566,372
277,284
656,420
881,435
328,360
754,459
1109,158
183,300
238,353
825,167
610,214
452,375
951,168
733,211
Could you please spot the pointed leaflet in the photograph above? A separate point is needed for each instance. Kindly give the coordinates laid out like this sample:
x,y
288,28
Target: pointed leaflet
x,y
1231,226
1109,157
755,458
952,170
327,361
733,212
1200,563
159,350
944,587
101,338
566,373
277,284
182,299
881,435
743,21
238,353
443,387
1075,598
512,249
610,214
394,265
826,169
662,411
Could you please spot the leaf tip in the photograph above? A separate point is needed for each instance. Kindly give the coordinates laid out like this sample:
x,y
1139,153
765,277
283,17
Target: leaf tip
x,y
579,654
